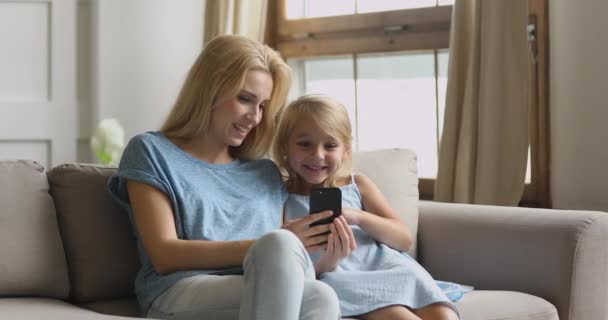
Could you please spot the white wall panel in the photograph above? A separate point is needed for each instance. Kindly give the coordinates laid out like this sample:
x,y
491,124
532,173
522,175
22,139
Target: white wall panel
x,y
24,57
38,151
66,64
38,79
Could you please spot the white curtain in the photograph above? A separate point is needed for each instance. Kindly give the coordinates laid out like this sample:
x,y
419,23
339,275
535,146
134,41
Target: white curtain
x,y
241,17
483,151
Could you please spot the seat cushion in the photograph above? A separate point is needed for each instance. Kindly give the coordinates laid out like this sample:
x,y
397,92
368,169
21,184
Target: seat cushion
x,y
395,172
48,309
504,305
120,307
32,260
99,242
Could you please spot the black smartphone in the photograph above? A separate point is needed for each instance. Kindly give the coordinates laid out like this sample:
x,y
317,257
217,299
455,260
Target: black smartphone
x,y
322,199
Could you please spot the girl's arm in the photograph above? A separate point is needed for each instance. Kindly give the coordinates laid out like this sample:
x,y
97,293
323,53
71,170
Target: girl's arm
x,y
378,218
156,226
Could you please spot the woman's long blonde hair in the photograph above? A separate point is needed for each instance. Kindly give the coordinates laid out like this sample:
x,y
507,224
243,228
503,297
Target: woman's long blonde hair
x,y
221,68
331,117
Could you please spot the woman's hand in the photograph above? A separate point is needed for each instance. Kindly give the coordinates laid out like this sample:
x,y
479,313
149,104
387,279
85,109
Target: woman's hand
x,y
314,238
340,244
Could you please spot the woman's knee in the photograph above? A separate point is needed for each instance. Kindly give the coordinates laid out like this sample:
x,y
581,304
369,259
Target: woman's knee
x,y
277,243
321,299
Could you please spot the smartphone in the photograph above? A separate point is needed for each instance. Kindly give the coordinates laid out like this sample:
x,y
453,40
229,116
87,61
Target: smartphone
x,y
322,199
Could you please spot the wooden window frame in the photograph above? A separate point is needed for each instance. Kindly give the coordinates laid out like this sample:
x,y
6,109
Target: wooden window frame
x,y
416,29
538,192
399,30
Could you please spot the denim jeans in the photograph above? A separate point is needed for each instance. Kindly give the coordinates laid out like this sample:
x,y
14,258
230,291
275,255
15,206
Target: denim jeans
x,y
278,283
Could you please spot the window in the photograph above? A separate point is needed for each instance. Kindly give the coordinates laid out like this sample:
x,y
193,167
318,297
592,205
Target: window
x,y
350,50
394,99
297,9
386,61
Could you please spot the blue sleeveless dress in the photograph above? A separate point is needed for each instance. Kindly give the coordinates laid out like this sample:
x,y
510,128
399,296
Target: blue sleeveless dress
x,y
374,275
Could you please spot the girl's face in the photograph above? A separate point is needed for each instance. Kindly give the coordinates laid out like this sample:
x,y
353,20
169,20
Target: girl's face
x,y
233,117
312,154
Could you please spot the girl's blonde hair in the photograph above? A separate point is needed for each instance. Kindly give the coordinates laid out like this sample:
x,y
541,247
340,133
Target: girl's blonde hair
x,y
329,116
221,68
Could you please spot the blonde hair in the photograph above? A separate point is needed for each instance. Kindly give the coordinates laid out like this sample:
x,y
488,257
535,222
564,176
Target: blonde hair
x,y
331,117
221,68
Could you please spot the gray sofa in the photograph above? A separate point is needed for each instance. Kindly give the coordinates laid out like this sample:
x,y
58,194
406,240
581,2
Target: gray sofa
x,y
67,252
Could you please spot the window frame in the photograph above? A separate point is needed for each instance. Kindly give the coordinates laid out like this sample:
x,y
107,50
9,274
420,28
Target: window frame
x,y
398,30
538,192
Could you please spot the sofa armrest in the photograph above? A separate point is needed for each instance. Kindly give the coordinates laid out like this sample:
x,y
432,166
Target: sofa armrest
x,y
558,255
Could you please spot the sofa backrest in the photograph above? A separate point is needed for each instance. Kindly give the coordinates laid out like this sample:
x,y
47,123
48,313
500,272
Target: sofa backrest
x,y
32,260
99,243
395,172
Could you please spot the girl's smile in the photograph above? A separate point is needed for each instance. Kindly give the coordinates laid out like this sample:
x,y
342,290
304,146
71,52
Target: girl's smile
x,y
313,154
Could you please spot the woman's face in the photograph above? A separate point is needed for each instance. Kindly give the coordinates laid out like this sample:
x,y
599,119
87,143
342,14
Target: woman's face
x,y
233,117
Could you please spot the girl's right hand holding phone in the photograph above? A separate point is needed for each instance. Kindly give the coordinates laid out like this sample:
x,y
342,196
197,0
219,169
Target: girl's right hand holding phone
x,y
340,244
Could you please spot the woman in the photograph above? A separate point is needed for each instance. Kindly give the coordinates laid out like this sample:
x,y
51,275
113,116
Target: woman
x,y
203,204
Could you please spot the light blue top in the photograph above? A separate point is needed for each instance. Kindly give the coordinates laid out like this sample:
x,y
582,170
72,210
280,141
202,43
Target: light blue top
x,y
374,275
233,201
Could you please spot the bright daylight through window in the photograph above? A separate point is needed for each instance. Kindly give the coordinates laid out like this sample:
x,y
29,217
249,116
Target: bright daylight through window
x,y
395,99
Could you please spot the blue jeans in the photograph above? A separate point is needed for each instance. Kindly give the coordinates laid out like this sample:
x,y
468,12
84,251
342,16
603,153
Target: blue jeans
x,y
278,283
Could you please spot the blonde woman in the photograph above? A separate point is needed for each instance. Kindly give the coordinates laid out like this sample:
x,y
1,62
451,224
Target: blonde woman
x,y
204,204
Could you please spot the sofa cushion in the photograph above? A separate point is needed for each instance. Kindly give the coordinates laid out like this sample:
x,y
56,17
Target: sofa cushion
x,y
48,309
504,305
122,307
99,243
396,174
32,261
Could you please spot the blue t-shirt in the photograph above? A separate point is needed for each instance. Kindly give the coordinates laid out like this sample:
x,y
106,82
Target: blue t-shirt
x,y
219,202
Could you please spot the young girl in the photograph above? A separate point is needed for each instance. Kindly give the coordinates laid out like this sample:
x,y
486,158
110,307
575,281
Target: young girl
x,y
362,260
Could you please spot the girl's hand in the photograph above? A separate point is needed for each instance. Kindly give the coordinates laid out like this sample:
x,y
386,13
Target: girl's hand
x,y
340,244
314,238
353,216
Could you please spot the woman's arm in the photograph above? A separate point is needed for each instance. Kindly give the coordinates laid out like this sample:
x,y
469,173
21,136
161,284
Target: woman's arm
x,y
313,238
156,226
378,218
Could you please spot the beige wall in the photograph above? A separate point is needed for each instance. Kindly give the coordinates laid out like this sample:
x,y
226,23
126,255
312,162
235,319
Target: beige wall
x,y
579,103
144,50
132,59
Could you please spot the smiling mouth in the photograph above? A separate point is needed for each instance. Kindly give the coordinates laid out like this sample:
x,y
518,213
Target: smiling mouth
x,y
315,168
242,129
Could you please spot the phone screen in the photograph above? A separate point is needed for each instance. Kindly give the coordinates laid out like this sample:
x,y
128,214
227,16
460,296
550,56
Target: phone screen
x,y
322,199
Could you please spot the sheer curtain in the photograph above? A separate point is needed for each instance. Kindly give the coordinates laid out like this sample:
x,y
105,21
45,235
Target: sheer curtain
x,y
242,17
483,151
